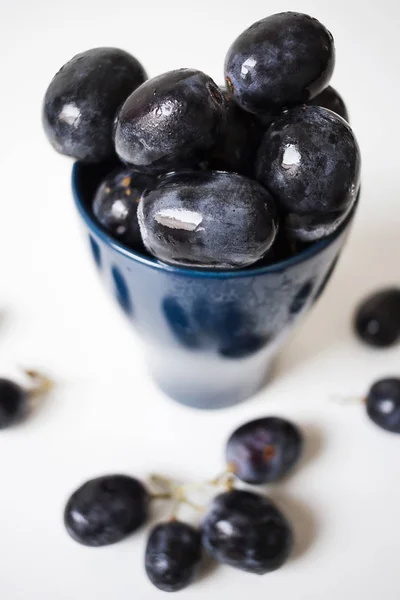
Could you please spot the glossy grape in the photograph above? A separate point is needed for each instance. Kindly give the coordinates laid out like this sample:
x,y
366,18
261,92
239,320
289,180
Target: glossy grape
x,y
283,60
209,219
173,555
116,202
377,318
247,531
383,404
82,100
264,450
310,161
331,99
105,510
238,143
170,122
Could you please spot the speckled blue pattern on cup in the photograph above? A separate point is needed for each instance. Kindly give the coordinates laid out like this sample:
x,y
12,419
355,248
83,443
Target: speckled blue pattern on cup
x,y
210,337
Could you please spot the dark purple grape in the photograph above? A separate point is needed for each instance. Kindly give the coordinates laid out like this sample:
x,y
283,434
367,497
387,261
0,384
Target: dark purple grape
x,y
116,202
264,450
82,100
377,318
310,161
207,219
383,404
247,531
284,247
280,61
329,98
105,510
173,555
14,403
238,143
170,122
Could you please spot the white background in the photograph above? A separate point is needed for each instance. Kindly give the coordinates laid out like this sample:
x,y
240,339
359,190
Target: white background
x,y
105,415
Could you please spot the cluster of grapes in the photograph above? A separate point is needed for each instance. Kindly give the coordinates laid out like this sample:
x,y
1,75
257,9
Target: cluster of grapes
x,y
241,528
214,177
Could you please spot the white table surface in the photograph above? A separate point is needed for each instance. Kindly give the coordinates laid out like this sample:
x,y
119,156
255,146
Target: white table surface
x,y
105,415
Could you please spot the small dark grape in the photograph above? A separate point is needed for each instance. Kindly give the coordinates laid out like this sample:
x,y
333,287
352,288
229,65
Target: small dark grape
x,y
383,404
173,555
264,450
329,98
238,143
14,403
247,531
377,318
105,510
116,202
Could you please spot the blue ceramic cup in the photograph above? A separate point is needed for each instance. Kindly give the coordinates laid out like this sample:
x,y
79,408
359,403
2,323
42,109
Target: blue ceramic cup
x,y
210,337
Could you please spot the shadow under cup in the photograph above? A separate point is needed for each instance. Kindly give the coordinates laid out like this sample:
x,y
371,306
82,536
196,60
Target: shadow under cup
x,y
209,337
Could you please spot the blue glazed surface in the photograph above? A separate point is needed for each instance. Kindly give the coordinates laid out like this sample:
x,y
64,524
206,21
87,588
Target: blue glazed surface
x,y
210,337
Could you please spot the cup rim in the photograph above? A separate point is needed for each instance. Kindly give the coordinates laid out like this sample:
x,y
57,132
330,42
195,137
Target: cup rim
x,y
153,263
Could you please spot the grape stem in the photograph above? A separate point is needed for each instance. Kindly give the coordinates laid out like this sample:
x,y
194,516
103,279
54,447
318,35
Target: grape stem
x,y
41,386
161,496
177,493
225,479
346,400
41,383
